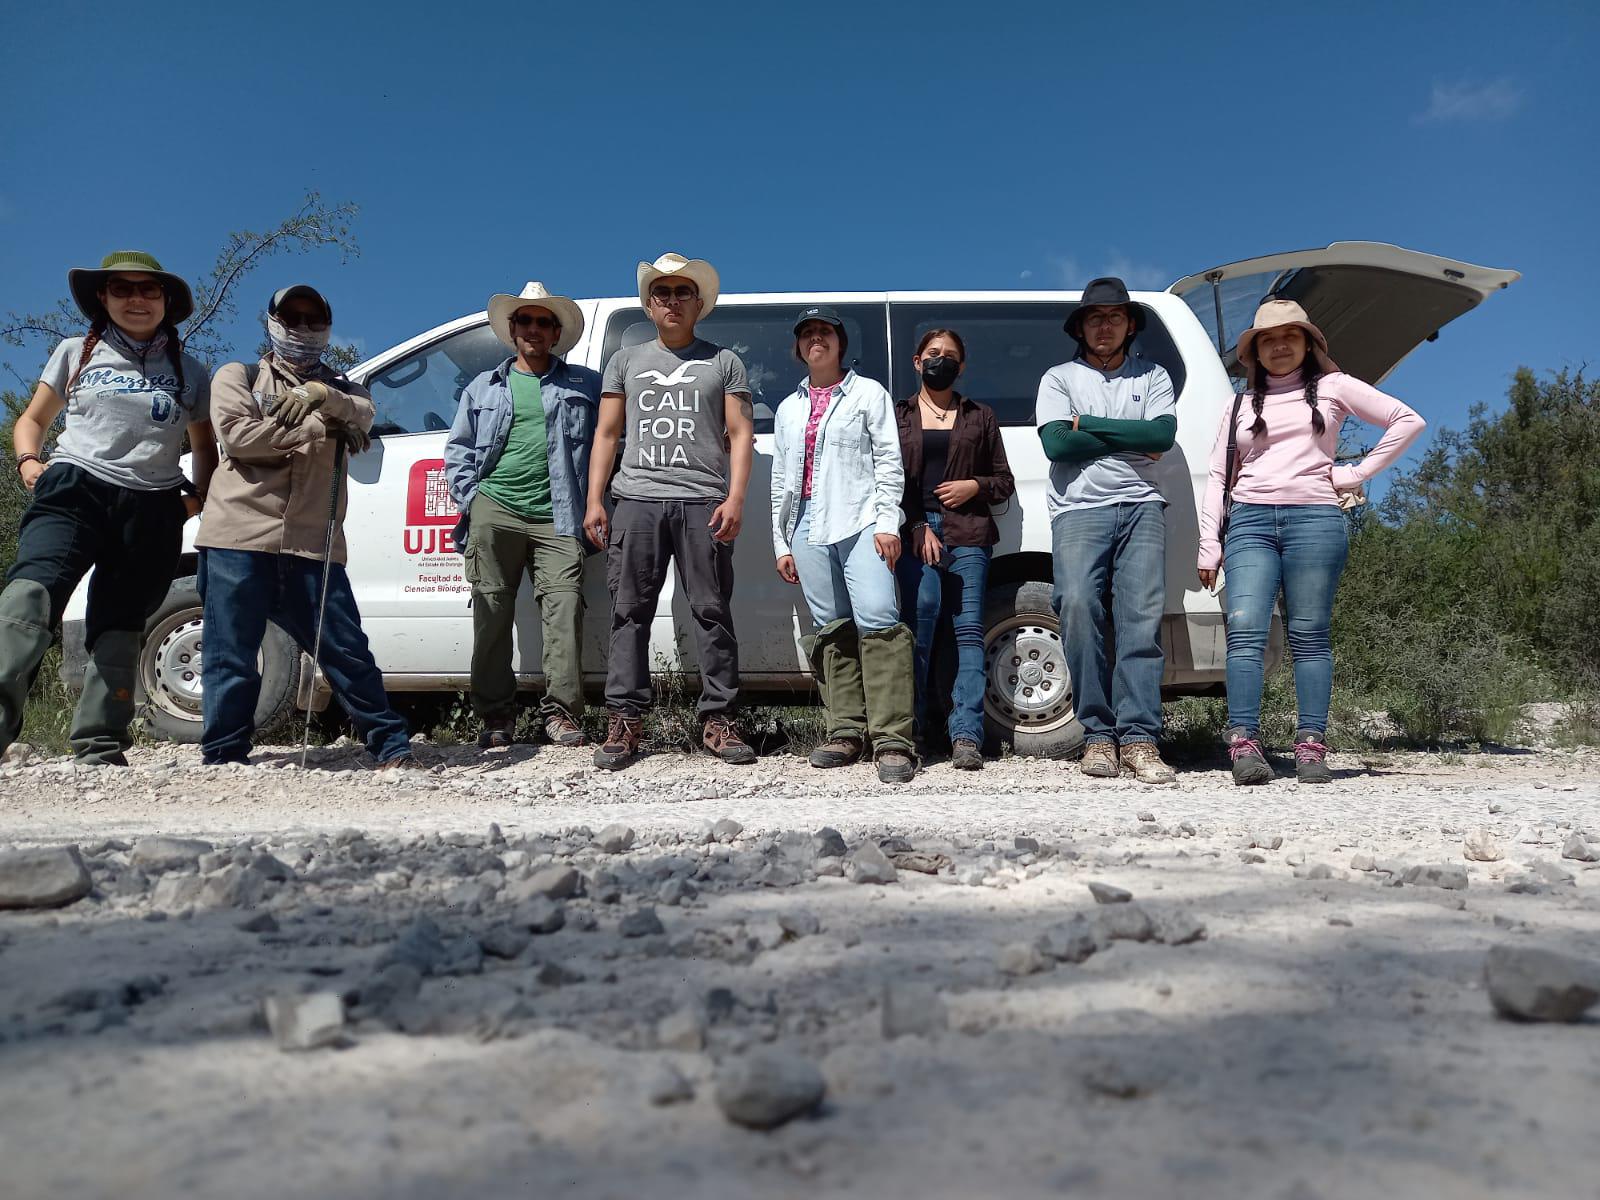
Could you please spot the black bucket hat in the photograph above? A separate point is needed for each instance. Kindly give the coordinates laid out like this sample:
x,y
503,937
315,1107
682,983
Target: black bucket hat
x,y
85,284
817,312
1108,289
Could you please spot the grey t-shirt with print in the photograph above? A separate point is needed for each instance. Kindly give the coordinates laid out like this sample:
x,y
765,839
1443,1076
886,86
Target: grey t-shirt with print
x,y
675,435
125,417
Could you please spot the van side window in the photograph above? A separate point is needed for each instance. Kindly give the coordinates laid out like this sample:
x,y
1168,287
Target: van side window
x,y
1009,348
762,335
419,393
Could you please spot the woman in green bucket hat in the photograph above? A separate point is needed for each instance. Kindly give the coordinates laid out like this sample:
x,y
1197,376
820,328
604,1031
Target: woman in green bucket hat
x,y
111,496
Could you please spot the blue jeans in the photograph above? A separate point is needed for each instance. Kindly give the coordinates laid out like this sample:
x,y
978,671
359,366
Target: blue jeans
x,y
242,590
1115,553
955,586
1302,548
846,579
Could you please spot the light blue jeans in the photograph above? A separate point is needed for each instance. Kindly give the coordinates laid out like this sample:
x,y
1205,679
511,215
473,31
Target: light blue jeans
x,y
1111,562
1302,549
846,579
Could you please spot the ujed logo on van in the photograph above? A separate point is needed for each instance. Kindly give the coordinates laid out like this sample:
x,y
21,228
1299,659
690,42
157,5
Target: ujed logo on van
x,y
428,499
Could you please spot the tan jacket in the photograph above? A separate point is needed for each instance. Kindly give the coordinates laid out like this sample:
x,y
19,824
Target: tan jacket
x,y
272,487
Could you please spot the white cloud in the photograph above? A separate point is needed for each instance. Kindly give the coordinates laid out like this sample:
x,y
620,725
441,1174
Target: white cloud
x,y
1140,277
1492,101
1067,272
1026,275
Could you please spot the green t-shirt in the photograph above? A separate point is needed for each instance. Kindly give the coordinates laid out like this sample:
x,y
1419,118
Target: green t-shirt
x,y
521,478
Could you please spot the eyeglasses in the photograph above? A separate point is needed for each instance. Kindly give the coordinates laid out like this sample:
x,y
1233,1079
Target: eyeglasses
x,y
294,320
145,289
523,320
1116,318
680,295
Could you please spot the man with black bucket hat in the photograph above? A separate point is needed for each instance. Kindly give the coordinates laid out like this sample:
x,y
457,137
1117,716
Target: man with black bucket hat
x,y
1104,418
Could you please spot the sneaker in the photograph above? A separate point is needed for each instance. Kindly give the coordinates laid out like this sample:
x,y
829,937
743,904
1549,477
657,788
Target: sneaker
x,y
562,730
896,766
621,746
1310,751
1143,761
837,752
1100,760
722,739
400,763
1250,765
498,733
965,755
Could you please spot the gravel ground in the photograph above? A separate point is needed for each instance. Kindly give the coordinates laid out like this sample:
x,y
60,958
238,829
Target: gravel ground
x,y
514,974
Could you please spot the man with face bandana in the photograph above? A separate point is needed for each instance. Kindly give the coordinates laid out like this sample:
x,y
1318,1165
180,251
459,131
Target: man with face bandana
x,y
264,538
1104,419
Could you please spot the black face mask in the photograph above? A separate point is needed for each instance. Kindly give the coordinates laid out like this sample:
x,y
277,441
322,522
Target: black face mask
x,y
939,372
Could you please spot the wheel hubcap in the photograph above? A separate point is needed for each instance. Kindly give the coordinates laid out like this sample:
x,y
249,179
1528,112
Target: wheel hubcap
x,y
1026,685
172,676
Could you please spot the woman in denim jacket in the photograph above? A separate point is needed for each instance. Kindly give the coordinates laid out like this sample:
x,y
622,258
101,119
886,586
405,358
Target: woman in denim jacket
x,y
836,487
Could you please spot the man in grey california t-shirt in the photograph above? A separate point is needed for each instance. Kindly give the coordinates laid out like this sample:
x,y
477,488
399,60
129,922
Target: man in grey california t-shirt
x,y
679,409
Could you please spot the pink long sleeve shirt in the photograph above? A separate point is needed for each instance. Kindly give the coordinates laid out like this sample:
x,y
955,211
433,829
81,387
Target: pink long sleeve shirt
x,y
1293,464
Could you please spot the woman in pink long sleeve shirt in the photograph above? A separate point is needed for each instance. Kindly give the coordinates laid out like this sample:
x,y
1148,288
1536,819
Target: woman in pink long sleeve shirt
x,y
1284,524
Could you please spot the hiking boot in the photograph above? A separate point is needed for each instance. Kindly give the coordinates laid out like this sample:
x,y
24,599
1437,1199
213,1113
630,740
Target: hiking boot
x,y
721,739
896,766
498,733
621,746
837,752
562,730
1310,751
1143,761
1100,760
401,763
965,755
1250,765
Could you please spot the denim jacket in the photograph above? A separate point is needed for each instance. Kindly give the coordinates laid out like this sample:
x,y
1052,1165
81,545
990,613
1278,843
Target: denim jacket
x,y
856,474
483,423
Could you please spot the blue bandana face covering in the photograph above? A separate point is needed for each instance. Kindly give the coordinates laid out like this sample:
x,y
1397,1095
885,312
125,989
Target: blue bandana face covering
x,y
297,347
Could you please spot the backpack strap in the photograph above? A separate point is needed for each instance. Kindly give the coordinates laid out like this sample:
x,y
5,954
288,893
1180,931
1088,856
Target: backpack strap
x,y
1231,469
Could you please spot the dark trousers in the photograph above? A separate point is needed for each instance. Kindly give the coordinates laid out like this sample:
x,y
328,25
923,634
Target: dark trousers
x,y
647,536
242,590
132,540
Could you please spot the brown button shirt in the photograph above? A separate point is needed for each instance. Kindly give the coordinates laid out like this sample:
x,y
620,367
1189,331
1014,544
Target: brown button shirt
x,y
976,452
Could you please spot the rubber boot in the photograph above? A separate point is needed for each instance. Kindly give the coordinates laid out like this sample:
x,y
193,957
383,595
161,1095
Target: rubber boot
x,y
24,637
105,710
886,672
836,664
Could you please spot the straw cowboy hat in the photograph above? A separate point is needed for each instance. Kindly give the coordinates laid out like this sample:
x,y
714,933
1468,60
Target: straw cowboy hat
x,y
696,270
85,284
1275,314
534,295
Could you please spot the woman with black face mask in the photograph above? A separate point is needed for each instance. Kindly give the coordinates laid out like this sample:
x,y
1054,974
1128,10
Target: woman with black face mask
x,y
956,469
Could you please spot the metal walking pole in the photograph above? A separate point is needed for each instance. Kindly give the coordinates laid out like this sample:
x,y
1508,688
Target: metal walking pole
x,y
322,604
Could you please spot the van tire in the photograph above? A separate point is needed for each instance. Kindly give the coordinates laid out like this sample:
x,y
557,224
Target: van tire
x,y
169,692
1020,623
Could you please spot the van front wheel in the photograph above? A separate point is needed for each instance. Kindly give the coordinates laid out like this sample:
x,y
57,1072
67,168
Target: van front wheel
x,y
1027,693
169,669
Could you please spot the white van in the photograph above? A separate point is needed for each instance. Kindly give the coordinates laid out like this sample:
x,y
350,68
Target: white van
x,y
1375,302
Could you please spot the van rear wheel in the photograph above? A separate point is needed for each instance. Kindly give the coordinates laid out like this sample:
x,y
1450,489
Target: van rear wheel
x,y
1027,692
170,669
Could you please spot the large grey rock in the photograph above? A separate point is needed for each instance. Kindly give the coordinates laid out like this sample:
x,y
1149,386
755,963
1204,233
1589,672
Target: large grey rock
x,y
665,1084
799,923
556,883
912,1009
1578,849
1439,876
419,945
504,941
540,915
767,1088
1124,923
868,864
1179,928
1021,958
829,843
167,853
1363,862
233,887
614,839
642,923
305,1022
726,829
684,1029
397,983
47,877
1106,893
175,892
1479,846
1071,941
1540,985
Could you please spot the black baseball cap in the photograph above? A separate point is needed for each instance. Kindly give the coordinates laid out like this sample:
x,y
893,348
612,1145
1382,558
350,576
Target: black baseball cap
x,y
299,289
817,312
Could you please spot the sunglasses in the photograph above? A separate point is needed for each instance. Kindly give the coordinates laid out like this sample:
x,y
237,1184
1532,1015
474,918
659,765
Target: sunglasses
x,y
145,289
665,295
523,320
293,320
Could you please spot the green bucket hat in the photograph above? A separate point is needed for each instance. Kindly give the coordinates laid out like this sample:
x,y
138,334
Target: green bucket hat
x,y
86,282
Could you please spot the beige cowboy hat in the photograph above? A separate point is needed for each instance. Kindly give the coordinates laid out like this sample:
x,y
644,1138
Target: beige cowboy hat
x,y
696,270
1276,313
535,295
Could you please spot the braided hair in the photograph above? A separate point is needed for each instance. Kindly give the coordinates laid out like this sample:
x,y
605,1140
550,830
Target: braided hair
x,y
1258,397
97,329
175,351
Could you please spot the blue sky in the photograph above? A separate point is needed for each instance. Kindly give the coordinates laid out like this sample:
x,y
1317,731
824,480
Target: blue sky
x,y
875,145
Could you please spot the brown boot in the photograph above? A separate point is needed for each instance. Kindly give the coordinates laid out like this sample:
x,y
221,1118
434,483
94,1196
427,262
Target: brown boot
x,y
1100,760
722,739
562,730
621,746
1143,761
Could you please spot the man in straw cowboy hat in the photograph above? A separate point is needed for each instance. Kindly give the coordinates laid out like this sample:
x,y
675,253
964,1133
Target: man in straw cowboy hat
x,y
517,460
681,407
1104,418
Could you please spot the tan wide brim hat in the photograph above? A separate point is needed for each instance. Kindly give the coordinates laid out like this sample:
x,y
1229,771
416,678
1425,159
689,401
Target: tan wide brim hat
x,y
535,295
1275,314
696,270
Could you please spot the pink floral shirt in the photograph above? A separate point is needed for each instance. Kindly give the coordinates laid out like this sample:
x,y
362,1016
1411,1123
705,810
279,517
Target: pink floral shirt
x,y
820,399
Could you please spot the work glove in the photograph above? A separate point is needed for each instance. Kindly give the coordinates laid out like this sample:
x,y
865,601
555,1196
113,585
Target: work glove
x,y
294,406
356,440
